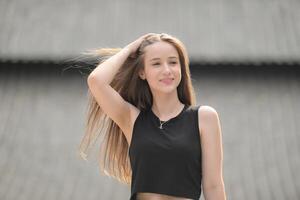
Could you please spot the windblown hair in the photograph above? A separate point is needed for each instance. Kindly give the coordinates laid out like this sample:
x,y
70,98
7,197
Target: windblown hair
x,y
113,154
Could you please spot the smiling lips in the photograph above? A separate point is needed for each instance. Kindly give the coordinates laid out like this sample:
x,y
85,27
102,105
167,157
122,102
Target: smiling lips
x,y
167,81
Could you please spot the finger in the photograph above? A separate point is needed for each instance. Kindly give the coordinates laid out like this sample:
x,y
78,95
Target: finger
x,y
148,34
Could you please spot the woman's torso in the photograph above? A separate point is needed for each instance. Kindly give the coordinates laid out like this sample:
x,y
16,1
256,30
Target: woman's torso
x,y
154,196
147,195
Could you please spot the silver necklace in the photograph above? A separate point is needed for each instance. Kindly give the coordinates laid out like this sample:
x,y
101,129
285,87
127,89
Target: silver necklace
x,y
161,124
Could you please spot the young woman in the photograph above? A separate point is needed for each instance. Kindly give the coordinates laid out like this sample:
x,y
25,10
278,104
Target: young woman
x,y
156,138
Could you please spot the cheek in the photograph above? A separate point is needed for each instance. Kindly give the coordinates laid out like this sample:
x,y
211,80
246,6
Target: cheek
x,y
179,75
178,70
152,78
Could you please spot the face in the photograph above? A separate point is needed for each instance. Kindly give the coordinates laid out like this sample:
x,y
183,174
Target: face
x,y
162,68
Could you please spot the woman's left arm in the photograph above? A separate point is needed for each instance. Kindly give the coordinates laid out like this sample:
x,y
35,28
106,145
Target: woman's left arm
x,y
212,154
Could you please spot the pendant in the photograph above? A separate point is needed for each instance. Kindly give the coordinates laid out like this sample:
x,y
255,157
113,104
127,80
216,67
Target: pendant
x,y
160,126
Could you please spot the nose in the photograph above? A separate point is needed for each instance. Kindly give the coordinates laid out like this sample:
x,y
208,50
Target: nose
x,y
166,68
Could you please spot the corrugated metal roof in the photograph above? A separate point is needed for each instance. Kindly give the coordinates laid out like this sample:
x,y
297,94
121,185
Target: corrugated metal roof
x,y
212,30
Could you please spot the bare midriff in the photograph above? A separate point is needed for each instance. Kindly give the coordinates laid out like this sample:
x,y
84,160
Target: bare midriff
x,y
155,196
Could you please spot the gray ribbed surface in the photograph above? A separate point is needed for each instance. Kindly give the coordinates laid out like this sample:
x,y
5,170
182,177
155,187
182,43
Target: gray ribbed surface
x,y
211,29
42,118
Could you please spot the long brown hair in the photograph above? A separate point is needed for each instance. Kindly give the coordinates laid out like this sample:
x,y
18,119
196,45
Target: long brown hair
x,y
113,154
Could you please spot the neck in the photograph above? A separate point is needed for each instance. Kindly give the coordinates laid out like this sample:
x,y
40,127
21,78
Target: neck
x,y
165,106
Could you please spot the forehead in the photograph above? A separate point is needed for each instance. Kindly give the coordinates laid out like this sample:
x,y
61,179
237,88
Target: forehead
x,y
160,49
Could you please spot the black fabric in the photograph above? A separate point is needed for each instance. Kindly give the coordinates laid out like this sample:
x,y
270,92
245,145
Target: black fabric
x,y
166,161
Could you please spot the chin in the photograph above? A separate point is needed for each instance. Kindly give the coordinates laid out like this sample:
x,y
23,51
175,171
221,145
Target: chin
x,y
167,90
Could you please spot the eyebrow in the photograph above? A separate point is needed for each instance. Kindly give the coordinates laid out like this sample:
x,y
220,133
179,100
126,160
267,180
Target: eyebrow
x,y
159,58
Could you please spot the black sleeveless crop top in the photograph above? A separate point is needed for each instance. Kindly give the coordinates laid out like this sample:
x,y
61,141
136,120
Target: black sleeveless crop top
x,y
168,160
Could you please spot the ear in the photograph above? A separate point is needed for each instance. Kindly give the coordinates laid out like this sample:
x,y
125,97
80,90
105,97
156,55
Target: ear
x,y
142,74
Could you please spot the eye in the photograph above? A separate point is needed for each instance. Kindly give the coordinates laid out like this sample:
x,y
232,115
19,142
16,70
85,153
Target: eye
x,y
174,62
156,64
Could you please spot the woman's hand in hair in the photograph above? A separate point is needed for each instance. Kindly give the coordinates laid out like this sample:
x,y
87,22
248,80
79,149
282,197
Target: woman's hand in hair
x,y
133,46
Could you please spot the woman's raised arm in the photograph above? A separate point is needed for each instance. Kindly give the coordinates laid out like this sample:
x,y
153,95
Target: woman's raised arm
x,y
110,101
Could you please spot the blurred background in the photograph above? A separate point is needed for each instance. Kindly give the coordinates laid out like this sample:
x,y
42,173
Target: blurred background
x,y
245,59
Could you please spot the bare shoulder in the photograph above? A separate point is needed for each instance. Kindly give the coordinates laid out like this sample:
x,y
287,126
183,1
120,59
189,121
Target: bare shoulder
x,y
207,111
207,117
